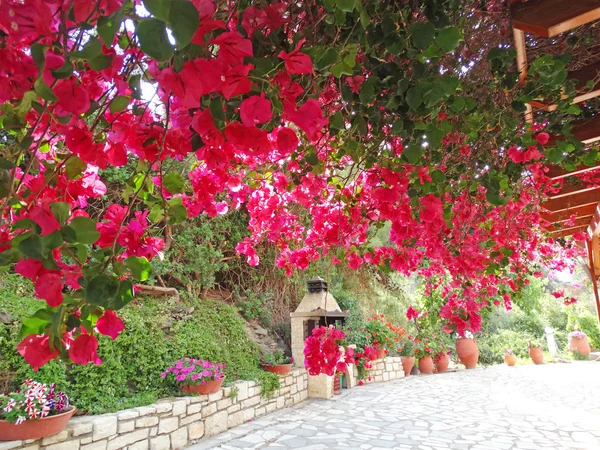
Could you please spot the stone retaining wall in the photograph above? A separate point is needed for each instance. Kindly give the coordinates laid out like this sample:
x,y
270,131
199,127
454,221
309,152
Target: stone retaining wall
x,y
171,423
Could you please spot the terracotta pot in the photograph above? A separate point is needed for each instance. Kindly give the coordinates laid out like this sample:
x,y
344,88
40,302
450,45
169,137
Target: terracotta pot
x,y
408,362
426,364
337,385
281,369
467,352
442,363
581,345
510,360
537,355
210,387
35,429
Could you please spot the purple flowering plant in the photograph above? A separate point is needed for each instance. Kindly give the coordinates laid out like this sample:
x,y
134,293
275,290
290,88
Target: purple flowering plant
x,y
577,334
194,371
508,352
276,358
32,401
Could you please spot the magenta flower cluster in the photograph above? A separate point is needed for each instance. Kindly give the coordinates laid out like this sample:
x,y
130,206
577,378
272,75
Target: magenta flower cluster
x,y
194,371
577,334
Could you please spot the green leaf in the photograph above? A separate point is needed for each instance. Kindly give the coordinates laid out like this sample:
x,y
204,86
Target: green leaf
x,y
108,26
38,53
32,247
555,155
449,38
44,91
6,164
140,267
174,183
37,323
51,241
79,251
346,5
64,72
158,8
61,211
351,52
414,97
337,121
75,167
119,103
328,58
100,62
177,214
90,50
369,90
100,290
413,153
154,40
422,34
183,20
123,297
341,69
85,230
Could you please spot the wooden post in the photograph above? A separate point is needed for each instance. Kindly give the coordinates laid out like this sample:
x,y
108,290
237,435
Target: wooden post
x,y
594,279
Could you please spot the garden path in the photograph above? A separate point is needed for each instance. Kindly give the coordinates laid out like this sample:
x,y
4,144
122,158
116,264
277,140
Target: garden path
x,y
555,406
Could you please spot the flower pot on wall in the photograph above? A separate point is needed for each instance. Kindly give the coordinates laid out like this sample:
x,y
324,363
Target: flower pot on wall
x,y
35,429
442,363
408,362
380,352
280,369
426,364
510,360
537,355
210,387
467,352
580,345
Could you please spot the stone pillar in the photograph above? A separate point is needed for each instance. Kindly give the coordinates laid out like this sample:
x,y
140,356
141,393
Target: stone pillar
x,y
297,337
320,386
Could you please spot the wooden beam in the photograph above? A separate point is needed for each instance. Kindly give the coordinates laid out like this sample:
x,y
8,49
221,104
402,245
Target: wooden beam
x,y
558,226
568,231
561,216
586,131
547,18
556,172
582,76
590,246
572,201
570,189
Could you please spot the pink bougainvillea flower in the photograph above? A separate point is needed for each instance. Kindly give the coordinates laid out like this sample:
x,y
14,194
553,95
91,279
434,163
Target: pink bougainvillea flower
x,y
45,219
433,209
309,118
110,325
84,349
558,293
355,82
235,81
253,19
412,313
49,287
29,268
542,138
72,97
233,47
287,140
255,110
35,348
297,62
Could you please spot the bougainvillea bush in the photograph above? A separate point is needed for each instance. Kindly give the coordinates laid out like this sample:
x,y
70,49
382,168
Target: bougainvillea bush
x,y
31,401
324,119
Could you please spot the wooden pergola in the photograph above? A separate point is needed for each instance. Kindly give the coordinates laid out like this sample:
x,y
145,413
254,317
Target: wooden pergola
x,y
545,19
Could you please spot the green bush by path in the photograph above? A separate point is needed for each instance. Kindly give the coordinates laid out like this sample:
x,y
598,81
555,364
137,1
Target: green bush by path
x,y
157,333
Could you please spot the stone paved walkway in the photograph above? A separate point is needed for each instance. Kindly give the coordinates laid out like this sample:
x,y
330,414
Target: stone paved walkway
x,y
555,406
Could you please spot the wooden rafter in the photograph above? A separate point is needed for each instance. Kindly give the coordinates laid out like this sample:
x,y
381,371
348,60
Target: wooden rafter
x,y
570,189
558,226
562,216
569,231
556,172
573,201
592,247
547,18
586,131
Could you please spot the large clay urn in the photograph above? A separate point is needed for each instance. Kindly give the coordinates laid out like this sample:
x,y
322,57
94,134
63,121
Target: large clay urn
x,y
510,359
467,352
536,354
426,364
580,345
408,362
442,362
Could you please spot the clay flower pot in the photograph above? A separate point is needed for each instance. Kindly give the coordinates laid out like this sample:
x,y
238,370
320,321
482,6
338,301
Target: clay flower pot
x,y
35,429
380,352
426,364
442,363
408,362
280,369
536,355
467,352
210,387
510,360
580,345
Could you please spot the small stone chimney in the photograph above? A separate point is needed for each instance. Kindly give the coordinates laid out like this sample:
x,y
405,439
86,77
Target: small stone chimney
x,y
318,307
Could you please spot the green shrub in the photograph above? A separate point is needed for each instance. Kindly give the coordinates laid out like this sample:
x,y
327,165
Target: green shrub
x,y
156,334
587,323
492,346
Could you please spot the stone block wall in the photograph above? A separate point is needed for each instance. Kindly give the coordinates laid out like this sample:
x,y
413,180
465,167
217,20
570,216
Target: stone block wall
x,y
172,423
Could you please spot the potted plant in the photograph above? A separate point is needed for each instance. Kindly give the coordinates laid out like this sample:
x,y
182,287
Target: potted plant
x,y
578,342
535,352
424,354
509,358
467,350
277,362
33,411
382,334
196,376
407,353
442,360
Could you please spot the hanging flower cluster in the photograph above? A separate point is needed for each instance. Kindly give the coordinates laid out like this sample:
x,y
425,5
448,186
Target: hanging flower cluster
x,y
323,353
32,400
